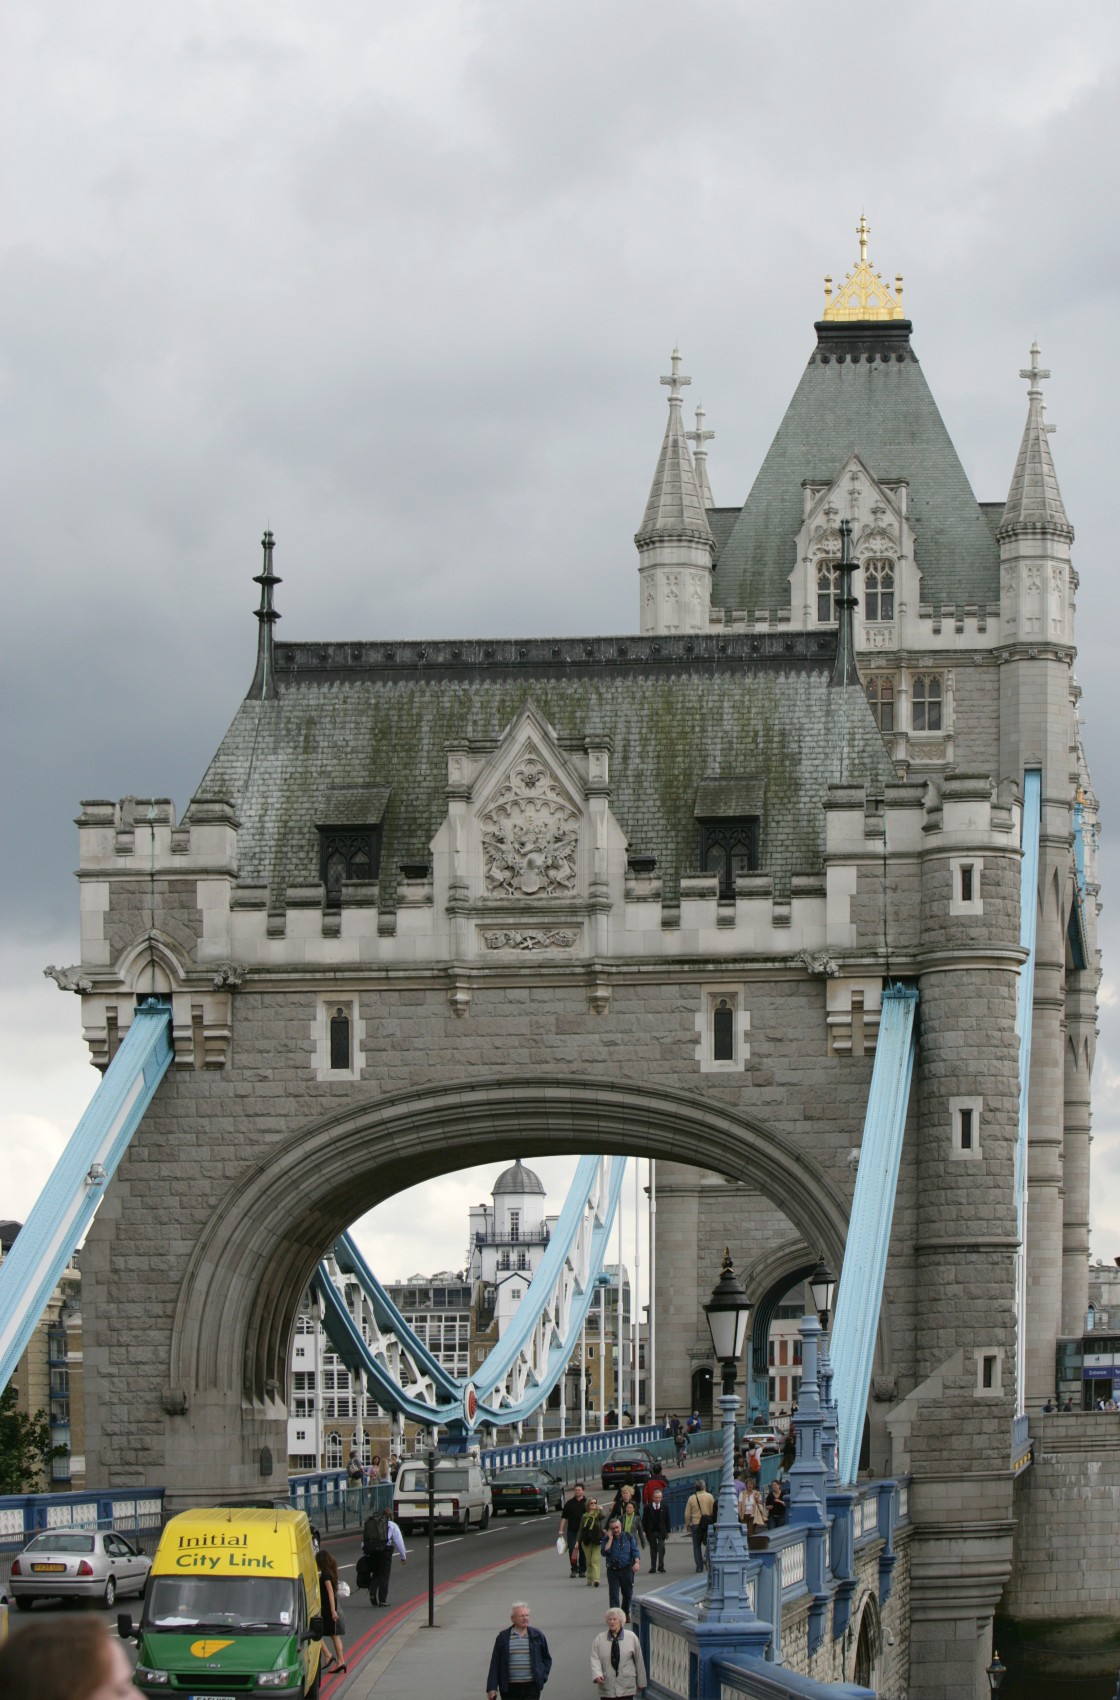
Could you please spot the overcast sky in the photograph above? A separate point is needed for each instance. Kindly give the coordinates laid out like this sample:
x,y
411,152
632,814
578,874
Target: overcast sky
x,y
400,281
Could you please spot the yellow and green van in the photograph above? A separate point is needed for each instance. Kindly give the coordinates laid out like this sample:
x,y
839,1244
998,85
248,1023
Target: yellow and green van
x,y
232,1607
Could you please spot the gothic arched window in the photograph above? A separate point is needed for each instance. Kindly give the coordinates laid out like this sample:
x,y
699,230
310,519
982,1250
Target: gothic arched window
x,y
880,694
729,848
334,1451
925,703
878,590
828,589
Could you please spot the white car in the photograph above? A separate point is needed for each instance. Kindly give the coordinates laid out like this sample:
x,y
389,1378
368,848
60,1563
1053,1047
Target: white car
x,y
78,1564
462,1495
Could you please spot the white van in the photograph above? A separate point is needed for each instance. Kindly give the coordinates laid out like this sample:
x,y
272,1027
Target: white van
x,y
462,1496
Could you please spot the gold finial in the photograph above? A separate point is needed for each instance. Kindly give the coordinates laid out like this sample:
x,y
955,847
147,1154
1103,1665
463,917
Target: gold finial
x,y
863,294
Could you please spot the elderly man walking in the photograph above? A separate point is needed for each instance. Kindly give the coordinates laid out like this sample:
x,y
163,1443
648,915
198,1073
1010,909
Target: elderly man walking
x,y
521,1661
617,1667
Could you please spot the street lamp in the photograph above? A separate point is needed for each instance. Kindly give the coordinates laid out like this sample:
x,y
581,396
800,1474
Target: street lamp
x,y
822,1285
728,1312
822,1290
996,1674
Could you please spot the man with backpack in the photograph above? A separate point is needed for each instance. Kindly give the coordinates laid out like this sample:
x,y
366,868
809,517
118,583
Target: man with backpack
x,y
379,1537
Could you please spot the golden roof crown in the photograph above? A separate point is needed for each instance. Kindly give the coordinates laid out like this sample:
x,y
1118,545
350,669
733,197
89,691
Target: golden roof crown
x,y
863,294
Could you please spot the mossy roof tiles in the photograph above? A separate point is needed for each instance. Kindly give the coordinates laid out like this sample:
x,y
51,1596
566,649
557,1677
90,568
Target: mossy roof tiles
x,y
677,711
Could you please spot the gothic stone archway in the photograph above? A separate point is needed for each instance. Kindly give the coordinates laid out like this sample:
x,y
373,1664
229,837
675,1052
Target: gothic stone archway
x,y
236,1304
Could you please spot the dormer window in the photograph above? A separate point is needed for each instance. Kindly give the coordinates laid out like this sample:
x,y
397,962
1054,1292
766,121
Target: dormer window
x,y
347,853
729,848
878,590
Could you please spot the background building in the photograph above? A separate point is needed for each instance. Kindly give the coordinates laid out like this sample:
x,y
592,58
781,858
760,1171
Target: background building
x,y
49,1375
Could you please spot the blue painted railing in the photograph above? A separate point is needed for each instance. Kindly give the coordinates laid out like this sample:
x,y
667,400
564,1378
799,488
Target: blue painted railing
x,y
127,1510
869,1230
76,1185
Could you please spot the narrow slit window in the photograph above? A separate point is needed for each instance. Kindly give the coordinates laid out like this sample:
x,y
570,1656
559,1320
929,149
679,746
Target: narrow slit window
x,y
966,1130
340,1038
966,883
988,1370
723,1032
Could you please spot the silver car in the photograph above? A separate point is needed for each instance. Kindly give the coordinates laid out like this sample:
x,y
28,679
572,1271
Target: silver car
x,y
79,1564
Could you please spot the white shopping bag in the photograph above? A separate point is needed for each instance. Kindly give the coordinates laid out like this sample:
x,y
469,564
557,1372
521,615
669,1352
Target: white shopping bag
x,y
561,1546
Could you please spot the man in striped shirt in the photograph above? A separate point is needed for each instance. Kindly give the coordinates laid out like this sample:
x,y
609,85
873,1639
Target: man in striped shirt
x,y
521,1661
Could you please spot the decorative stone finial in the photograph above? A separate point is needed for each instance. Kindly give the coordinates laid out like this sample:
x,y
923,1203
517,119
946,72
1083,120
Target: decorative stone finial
x,y
700,455
675,381
263,686
863,294
1034,373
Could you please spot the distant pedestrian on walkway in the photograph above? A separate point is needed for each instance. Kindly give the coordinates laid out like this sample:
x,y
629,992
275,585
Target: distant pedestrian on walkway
x,y
591,1540
618,1669
625,1508
655,1522
521,1661
656,1481
621,1556
570,1519
60,1660
698,1513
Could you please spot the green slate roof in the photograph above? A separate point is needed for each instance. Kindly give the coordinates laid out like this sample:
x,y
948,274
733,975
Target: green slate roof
x,y
869,398
678,710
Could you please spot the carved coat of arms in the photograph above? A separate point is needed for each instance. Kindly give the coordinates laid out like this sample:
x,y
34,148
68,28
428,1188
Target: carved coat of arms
x,y
529,834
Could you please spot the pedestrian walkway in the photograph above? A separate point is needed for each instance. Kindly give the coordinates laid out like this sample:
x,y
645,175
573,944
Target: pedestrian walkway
x,y
452,1660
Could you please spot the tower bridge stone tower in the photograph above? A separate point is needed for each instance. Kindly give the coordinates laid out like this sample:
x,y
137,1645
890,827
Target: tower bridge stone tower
x,y
445,902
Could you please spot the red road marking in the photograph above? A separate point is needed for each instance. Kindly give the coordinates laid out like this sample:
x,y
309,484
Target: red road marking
x,y
361,1649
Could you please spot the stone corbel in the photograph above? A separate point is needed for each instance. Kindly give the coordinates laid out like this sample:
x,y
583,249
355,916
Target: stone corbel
x,y
599,993
459,992
202,1027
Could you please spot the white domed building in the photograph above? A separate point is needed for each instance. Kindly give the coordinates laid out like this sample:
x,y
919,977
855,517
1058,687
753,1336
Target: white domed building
x,y
508,1240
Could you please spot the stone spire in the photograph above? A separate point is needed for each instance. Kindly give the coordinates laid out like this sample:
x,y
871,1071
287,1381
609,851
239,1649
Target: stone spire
x,y
675,542
1034,501
700,456
264,679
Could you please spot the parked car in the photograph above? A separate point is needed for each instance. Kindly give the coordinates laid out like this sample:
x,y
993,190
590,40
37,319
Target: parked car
x,y
78,1564
462,1495
526,1490
766,1440
632,1466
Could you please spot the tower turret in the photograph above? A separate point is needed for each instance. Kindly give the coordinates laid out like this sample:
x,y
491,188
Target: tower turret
x,y
675,542
1034,535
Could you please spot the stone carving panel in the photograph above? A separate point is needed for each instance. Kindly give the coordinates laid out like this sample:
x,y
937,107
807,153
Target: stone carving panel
x,y
530,938
529,833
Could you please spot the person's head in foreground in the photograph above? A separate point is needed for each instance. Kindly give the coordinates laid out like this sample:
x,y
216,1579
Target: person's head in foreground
x,y
76,1660
519,1615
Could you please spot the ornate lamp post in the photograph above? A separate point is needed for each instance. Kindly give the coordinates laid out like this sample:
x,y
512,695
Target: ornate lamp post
x,y
728,1312
996,1673
822,1288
